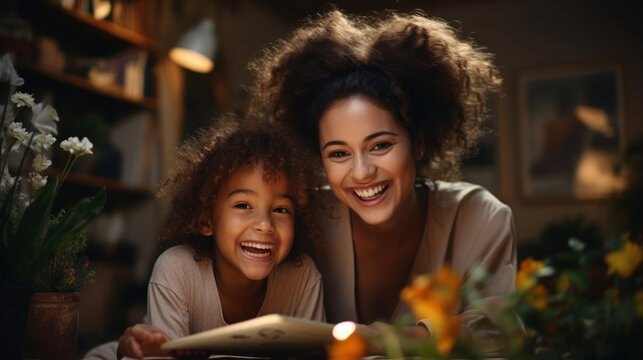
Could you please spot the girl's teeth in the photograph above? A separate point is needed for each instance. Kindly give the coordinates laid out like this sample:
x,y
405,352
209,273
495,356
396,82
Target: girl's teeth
x,y
256,249
257,245
370,192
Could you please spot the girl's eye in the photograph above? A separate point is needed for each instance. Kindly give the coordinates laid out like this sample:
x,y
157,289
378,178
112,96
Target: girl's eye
x,y
242,206
282,210
382,146
337,154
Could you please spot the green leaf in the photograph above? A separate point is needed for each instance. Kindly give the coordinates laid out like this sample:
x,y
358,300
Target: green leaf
x,y
579,278
71,224
27,244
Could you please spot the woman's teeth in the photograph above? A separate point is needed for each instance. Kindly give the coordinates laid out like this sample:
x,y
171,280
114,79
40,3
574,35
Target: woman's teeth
x,y
368,194
256,249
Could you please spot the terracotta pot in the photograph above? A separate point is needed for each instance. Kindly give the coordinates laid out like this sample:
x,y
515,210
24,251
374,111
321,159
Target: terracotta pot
x,y
52,326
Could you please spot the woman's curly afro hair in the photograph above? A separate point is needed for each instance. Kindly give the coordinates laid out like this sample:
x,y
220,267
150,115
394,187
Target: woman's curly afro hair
x,y
207,160
418,68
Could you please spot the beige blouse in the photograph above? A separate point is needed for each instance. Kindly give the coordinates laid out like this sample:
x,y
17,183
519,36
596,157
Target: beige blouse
x,y
183,298
466,226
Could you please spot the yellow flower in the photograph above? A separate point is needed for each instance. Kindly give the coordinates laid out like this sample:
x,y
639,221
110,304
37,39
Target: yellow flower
x,y
562,284
353,347
638,303
436,298
537,297
525,278
69,276
625,260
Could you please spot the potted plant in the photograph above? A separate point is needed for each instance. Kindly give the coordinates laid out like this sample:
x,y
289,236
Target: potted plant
x,y
39,248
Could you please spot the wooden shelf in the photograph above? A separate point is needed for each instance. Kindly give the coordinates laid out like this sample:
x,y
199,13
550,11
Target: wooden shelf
x,y
47,11
97,182
110,28
84,84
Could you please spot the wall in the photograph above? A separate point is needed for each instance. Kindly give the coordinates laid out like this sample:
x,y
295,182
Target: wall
x,y
529,34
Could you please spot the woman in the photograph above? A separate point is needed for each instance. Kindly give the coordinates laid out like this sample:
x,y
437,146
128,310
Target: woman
x,y
388,103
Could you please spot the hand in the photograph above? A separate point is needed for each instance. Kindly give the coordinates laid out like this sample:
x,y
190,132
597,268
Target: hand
x,y
142,340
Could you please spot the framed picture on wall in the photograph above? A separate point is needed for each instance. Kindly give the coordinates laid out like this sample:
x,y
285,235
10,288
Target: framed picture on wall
x,y
571,132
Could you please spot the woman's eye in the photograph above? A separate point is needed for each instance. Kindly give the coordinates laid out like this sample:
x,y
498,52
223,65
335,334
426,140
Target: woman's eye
x,y
282,210
382,146
242,206
337,154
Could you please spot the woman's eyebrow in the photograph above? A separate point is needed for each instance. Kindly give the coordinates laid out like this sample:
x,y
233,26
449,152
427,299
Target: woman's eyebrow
x,y
368,138
379,133
332,142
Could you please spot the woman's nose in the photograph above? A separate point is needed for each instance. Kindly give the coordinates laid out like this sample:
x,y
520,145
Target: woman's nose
x,y
263,224
363,169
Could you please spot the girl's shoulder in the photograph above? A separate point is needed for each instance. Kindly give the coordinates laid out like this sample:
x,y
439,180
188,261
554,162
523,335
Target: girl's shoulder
x,y
177,253
179,260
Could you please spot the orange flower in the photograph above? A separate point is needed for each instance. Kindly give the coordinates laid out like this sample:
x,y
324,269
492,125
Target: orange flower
x,y
436,298
537,297
525,278
353,347
625,260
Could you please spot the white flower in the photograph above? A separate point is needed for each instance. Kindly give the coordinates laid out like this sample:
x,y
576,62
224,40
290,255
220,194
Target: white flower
x,y
42,142
44,119
576,244
78,147
5,181
37,181
8,73
23,99
16,131
40,163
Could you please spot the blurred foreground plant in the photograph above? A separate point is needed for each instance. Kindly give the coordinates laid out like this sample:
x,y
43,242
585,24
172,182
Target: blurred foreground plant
x,y
588,306
37,248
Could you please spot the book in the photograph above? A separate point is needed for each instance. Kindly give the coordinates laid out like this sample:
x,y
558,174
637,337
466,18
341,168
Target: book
x,y
268,334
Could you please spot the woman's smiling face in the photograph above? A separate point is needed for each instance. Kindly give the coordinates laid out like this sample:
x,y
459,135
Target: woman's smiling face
x,y
369,158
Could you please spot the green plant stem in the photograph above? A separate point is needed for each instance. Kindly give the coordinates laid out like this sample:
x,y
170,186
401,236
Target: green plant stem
x,y
5,160
11,194
4,113
66,170
392,345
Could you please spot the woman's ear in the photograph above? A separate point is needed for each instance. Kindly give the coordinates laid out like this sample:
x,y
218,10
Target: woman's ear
x,y
205,226
420,147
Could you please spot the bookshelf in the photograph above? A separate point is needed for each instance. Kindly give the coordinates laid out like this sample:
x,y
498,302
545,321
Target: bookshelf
x,y
82,39
75,82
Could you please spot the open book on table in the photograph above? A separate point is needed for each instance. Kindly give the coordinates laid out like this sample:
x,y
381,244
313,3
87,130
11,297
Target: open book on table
x,y
268,334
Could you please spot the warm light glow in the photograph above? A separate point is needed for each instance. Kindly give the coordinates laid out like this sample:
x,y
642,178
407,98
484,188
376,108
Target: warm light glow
x,y
102,8
343,330
191,60
595,119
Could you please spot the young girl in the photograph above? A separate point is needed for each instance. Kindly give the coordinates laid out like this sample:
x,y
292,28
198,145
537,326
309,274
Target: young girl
x,y
235,227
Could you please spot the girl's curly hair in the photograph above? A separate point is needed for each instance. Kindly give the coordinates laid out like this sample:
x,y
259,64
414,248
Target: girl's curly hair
x,y
416,67
207,160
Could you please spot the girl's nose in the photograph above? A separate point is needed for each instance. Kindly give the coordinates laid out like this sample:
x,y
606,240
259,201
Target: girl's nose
x,y
263,224
363,169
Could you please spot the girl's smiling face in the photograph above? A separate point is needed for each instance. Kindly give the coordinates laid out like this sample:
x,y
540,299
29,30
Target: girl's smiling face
x,y
252,222
369,158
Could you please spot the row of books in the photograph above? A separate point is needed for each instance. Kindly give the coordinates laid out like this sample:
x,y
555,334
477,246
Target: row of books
x,y
129,71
